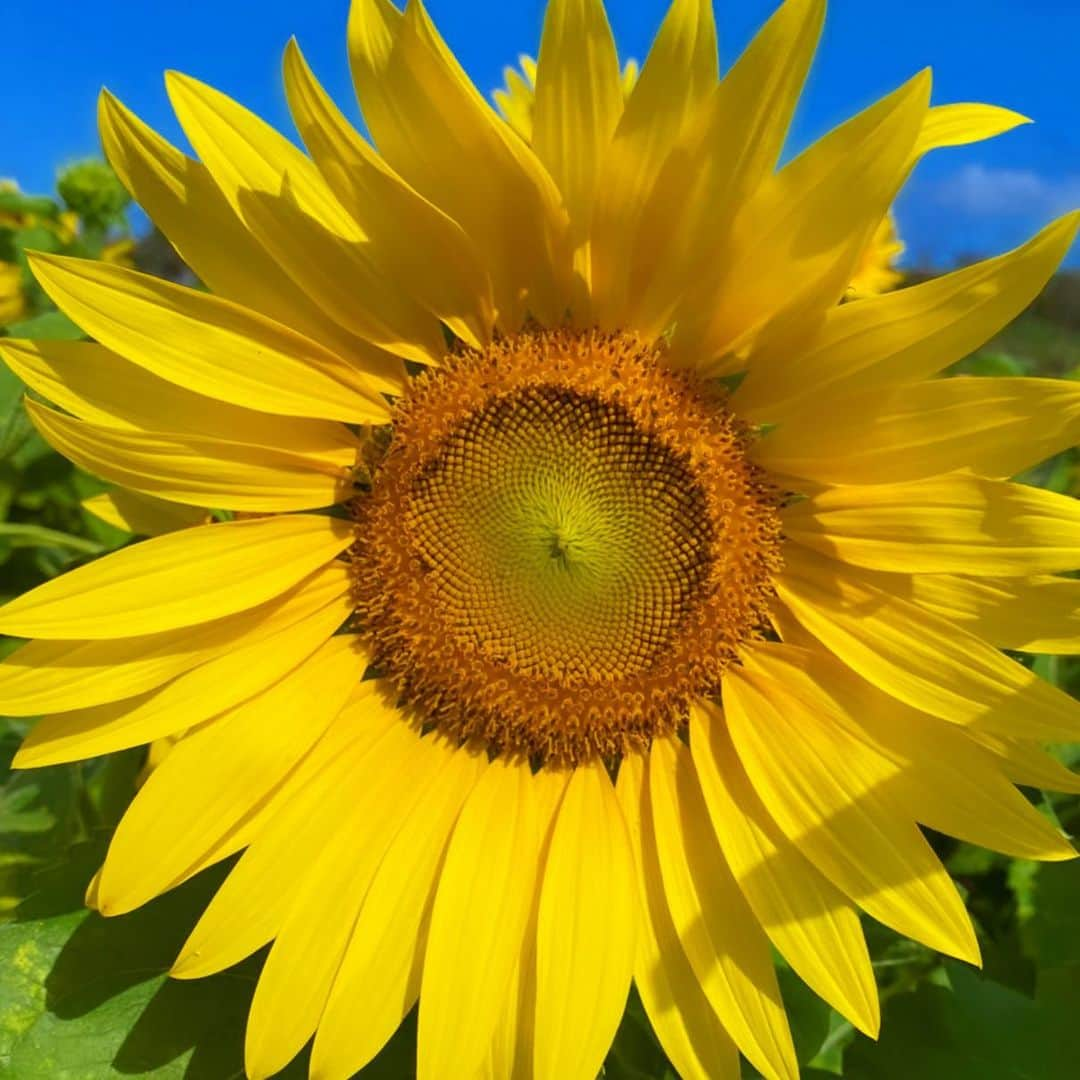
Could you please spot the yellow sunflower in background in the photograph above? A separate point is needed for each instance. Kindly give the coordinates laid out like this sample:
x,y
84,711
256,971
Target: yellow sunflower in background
x,y
12,304
517,99
64,228
636,625
876,271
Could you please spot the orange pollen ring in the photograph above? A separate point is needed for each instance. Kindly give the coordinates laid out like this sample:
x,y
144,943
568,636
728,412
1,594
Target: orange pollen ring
x,y
563,545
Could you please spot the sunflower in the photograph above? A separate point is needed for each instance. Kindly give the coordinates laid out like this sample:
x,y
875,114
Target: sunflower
x,y
12,304
516,100
62,227
591,596
876,272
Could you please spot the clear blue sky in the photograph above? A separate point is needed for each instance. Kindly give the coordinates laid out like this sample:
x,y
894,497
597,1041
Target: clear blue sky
x,y
1019,53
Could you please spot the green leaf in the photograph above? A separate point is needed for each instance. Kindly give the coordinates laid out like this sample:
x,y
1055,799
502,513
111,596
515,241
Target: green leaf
x,y
975,1030
19,535
14,423
35,238
635,1053
991,363
21,810
88,998
49,326
83,998
41,818
1052,933
16,202
808,1015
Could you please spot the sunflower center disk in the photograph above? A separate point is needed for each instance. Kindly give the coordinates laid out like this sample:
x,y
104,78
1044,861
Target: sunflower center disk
x,y
562,545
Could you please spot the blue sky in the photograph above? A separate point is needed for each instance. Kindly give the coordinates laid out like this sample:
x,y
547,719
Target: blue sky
x,y
982,199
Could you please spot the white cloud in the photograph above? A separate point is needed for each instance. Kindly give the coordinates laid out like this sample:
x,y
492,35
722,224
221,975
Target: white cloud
x,y
990,192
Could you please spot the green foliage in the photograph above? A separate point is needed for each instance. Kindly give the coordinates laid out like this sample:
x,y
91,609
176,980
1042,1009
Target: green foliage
x,y
43,528
82,996
87,219
974,1029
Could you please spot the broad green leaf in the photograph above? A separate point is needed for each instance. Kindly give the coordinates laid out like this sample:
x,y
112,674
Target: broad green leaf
x,y
1052,933
49,326
973,1030
86,998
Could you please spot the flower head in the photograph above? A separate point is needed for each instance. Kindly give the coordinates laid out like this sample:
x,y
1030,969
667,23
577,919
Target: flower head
x,y
876,272
599,598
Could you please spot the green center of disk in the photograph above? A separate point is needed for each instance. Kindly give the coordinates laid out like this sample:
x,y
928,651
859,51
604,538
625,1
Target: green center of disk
x,y
558,537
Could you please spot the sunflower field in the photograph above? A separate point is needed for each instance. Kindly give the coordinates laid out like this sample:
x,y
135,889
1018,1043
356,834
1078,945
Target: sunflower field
x,y
146,933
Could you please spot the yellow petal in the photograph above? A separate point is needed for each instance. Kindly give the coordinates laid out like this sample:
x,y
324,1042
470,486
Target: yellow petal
x,y
723,942
90,898
903,336
876,272
512,1049
97,385
208,690
143,514
468,162
279,195
679,72
429,254
931,771
585,931
45,676
685,1023
482,904
209,345
515,103
308,949
1027,763
217,775
798,243
194,470
182,200
579,100
1023,761
1037,614
953,524
733,144
823,788
289,829
379,976
252,824
997,427
921,658
958,125
178,580
809,920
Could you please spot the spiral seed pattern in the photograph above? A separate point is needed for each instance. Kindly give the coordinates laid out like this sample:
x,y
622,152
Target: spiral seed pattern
x,y
563,544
